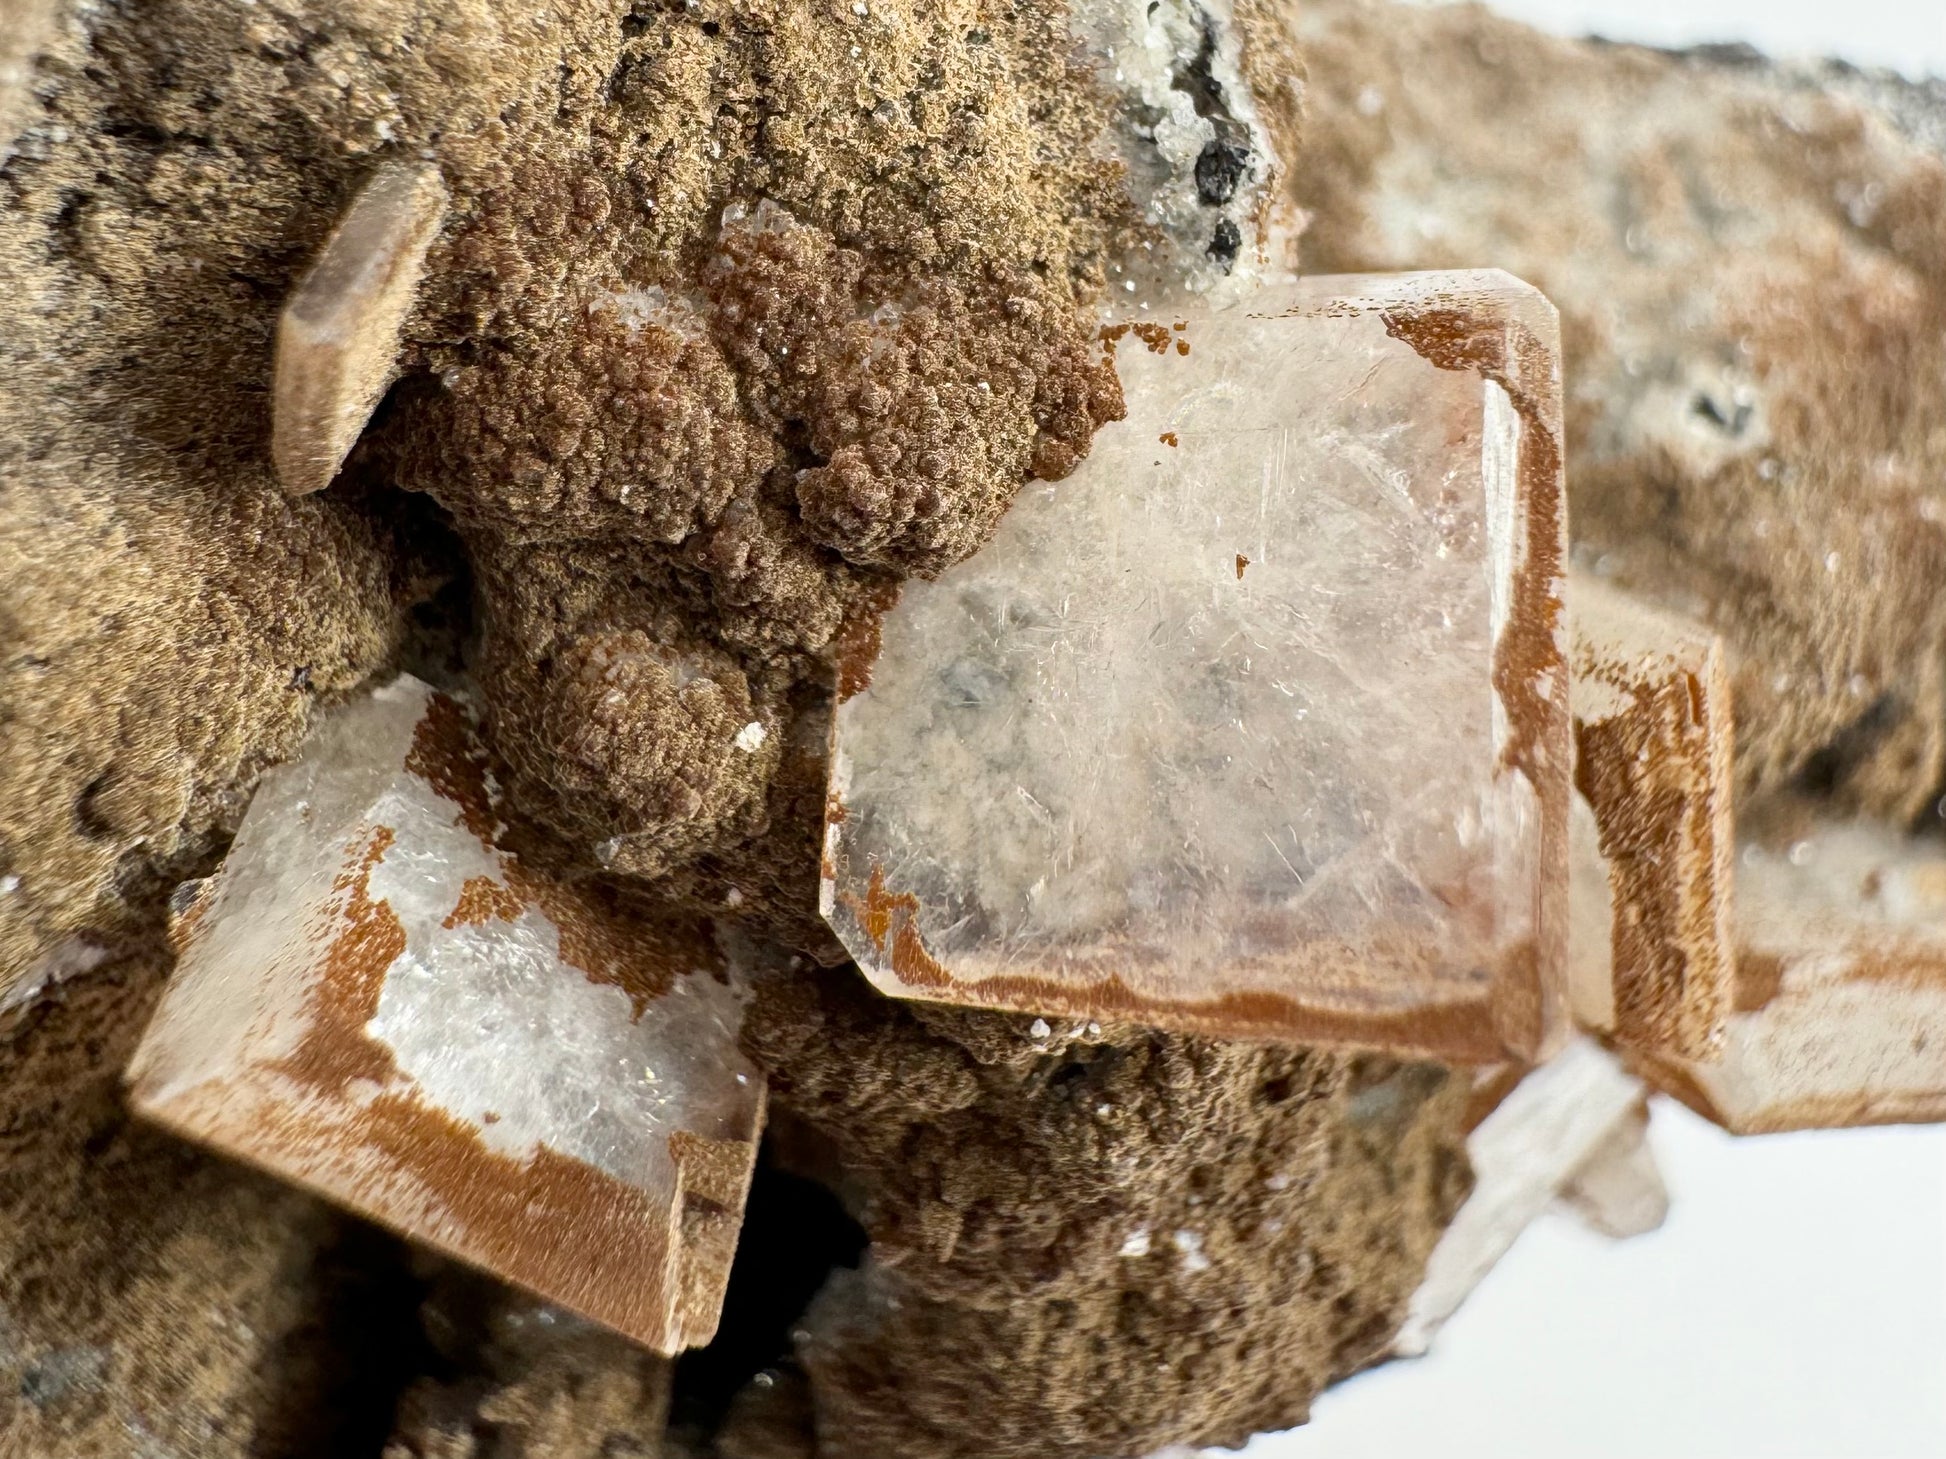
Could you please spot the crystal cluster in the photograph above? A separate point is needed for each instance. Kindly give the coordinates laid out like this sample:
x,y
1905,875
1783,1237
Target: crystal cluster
x,y
375,1002
1277,719
1258,723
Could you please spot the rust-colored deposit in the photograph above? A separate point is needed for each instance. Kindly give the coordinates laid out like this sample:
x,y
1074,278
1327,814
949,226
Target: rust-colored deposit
x,y
361,939
1457,1029
1653,742
859,637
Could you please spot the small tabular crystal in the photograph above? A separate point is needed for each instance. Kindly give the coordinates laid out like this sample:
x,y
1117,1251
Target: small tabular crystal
x,y
375,1002
338,339
1840,1012
1257,724
1618,1190
1651,962
1531,1148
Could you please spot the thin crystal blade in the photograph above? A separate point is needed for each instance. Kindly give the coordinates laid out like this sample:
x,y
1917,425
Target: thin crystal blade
x,y
1257,724
1532,1147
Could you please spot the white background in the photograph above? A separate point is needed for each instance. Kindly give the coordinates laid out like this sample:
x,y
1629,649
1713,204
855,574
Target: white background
x,y
1795,1302
1903,35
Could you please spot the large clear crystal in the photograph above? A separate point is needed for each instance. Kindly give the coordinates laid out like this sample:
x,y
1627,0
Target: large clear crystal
x,y
1257,724
376,1002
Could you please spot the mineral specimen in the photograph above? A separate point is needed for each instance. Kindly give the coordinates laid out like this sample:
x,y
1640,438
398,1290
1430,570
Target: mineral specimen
x,y
1652,759
339,335
1840,1012
1258,724
375,1002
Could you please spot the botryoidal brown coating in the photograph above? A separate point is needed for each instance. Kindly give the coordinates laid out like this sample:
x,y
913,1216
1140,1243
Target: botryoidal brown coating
x,y
794,308
1097,1242
672,513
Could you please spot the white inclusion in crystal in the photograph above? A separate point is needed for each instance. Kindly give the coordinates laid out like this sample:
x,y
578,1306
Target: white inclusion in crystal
x,y
1040,1029
1137,1243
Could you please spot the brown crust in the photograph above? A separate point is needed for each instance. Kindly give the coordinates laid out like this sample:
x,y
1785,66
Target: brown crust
x,y
1653,762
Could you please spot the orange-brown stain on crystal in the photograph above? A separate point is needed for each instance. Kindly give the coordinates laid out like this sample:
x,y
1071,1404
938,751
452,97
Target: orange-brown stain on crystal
x,y
1529,669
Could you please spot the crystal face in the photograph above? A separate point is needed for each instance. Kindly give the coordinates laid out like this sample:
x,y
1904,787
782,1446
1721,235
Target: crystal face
x,y
1651,962
375,1002
1840,1014
1257,724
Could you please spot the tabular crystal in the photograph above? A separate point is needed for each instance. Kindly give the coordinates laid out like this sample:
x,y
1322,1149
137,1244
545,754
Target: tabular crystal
x,y
1257,724
376,1003
1651,962
338,337
1840,1014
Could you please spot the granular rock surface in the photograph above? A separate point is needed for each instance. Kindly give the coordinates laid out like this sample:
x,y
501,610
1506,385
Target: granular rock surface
x,y
522,1380
1091,1241
156,1301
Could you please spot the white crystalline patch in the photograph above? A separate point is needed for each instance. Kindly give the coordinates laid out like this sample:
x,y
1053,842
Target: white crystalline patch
x,y
751,737
498,986
1209,734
